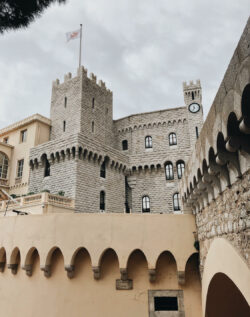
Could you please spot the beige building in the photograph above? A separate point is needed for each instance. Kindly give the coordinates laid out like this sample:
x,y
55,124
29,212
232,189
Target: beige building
x,y
16,141
68,255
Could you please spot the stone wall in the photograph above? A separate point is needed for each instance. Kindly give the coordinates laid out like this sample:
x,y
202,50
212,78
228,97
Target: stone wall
x,y
228,217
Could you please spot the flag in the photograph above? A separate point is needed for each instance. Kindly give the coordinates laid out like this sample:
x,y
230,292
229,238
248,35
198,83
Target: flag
x,y
73,35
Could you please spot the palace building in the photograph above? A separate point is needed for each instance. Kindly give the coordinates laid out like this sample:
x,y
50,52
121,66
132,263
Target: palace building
x,y
147,215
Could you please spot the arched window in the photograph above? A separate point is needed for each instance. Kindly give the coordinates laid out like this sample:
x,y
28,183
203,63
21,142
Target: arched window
x,y
103,170
145,204
148,142
102,200
176,202
4,162
124,145
172,139
169,171
47,168
180,168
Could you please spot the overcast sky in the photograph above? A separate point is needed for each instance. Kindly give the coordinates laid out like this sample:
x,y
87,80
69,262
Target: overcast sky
x,y
142,49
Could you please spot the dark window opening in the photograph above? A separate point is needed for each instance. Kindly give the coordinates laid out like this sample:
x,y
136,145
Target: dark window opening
x,y
93,103
176,202
124,145
197,132
47,168
172,139
165,303
64,126
192,95
23,136
145,204
180,169
102,200
103,170
93,127
65,102
127,195
169,171
148,142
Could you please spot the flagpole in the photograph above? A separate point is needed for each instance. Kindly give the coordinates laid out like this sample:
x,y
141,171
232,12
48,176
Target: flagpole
x,y
80,49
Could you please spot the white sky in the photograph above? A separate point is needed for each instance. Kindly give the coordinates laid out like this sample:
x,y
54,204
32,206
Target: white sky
x,y
142,49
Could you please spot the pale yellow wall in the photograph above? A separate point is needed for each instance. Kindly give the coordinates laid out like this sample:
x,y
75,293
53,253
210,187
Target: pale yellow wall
x,y
222,257
37,133
83,295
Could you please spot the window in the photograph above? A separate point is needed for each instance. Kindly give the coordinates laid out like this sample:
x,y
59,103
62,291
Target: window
x,y
180,169
124,145
102,200
164,303
148,142
93,103
103,170
65,102
192,95
169,171
93,127
197,132
23,136
172,139
6,140
64,126
4,162
20,168
47,168
176,202
145,204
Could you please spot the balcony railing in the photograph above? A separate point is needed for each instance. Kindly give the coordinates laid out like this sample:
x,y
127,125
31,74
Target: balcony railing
x,y
42,200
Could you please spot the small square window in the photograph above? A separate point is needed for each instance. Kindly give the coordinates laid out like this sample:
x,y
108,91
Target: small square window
x,y
166,303
23,136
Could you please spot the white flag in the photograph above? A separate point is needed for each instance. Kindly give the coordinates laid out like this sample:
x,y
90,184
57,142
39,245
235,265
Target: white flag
x,y
73,35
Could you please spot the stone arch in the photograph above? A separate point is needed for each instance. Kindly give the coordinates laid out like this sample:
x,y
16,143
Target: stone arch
x,y
79,261
30,259
192,273
137,267
15,260
222,257
166,269
109,263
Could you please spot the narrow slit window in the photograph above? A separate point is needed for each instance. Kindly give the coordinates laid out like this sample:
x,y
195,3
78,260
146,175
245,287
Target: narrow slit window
x,y
197,132
145,204
20,164
93,103
64,126
192,95
93,127
124,145
65,102
23,136
102,200
103,170
47,168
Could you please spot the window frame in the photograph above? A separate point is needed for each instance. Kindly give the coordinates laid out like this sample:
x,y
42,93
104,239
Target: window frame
x,y
176,202
103,170
47,168
172,139
20,165
169,171
148,142
124,148
145,203
4,166
102,200
180,166
23,136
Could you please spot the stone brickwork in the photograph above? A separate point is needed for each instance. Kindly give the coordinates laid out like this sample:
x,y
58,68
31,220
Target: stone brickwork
x,y
84,135
228,217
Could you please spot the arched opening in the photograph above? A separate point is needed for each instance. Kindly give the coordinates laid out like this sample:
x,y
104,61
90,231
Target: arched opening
x,y
138,268
224,299
145,204
169,171
176,202
180,168
32,261
245,104
109,264
148,142
82,263
166,270
56,261
2,259
172,139
192,273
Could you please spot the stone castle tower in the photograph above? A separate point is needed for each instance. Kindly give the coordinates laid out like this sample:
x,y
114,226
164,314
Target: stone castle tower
x,y
133,164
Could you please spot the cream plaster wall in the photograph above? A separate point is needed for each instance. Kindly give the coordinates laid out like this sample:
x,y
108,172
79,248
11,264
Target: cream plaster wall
x,y
222,257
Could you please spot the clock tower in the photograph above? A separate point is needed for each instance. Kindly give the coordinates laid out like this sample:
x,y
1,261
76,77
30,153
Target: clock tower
x,y
193,98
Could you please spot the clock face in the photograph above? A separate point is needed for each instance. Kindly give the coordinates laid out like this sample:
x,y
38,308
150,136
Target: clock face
x,y
194,107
